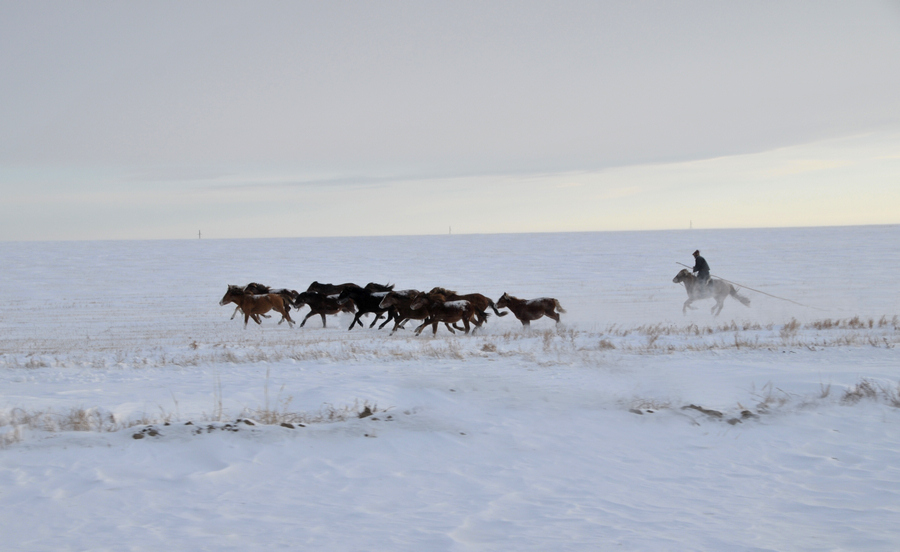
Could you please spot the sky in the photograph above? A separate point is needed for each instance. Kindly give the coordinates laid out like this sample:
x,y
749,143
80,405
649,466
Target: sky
x,y
162,120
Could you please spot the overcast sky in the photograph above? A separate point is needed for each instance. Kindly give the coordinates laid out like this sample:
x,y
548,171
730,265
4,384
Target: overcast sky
x,y
123,120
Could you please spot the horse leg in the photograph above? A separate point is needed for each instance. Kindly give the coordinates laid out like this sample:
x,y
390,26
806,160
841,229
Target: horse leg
x,y
236,309
466,324
720,302
286,315
322,314
355,320
398,323
687,305
422,326
479,318
305,318
390,316
553,315
377,318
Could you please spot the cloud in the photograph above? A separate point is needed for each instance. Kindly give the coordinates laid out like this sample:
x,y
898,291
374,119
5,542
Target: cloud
x,y
436,88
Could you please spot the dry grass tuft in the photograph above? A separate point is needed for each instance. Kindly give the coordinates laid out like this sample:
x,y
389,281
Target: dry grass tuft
x,y
605,344
75,419
770,397
872,390
789,330
326,414
489,348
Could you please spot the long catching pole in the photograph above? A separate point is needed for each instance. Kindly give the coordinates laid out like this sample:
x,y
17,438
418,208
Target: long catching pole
x,y
758,291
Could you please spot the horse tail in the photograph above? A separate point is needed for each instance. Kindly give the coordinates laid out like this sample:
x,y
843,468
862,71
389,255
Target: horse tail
x,y
493,306
734,293
558,306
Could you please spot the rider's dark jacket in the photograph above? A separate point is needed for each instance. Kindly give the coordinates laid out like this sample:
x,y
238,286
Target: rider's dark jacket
x,y
701,268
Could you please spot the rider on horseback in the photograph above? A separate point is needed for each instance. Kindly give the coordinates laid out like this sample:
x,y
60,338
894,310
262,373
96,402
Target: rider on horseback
x,y
701,267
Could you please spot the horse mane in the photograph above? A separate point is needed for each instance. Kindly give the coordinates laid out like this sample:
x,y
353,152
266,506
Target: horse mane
x,y
257,288
442,291
372,286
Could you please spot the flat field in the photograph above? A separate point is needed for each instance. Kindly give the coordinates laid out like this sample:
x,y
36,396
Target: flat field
x,y
135,415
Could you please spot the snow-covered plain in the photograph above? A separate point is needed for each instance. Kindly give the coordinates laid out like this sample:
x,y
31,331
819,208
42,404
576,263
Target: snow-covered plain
x,y
628,426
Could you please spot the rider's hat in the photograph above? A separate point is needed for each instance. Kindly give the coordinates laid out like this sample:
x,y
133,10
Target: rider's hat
x,y
697,252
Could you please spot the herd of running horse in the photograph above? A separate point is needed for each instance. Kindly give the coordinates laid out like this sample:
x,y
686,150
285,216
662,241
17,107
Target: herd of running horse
x,y
435,307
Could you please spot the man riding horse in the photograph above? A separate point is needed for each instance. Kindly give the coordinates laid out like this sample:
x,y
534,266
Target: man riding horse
x,y
701,268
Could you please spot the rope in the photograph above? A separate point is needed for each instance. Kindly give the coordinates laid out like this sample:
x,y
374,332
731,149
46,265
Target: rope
x,y
758,291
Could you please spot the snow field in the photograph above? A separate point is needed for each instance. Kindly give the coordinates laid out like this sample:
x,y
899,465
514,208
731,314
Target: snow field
x,y
569,437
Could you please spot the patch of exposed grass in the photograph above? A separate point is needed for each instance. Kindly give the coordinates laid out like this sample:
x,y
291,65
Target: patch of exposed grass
x,y
17,420
567,344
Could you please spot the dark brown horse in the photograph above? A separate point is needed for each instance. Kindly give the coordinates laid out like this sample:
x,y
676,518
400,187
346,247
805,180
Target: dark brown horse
x,y
449,312
715,289
255,305
335,289
401,304
527,310
479,301
330,289
321,305
366,302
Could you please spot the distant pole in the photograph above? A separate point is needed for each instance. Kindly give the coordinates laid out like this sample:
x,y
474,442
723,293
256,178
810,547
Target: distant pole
x,y
449,230
691,227
198,235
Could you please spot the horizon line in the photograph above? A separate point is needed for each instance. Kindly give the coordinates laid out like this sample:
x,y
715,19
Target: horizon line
x,y
450,234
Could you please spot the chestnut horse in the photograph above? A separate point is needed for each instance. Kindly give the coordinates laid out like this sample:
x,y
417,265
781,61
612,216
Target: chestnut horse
x,y
254,288
715,289
255,305
527,310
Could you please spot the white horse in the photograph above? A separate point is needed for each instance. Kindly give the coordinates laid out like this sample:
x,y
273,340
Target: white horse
x,y
715,289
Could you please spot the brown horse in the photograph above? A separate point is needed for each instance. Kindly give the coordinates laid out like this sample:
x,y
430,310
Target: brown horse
x,y
254,288
400,302
715,289
255,305
449,312
527,310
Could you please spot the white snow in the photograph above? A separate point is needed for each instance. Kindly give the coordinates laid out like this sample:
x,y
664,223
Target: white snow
x,y
596,434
